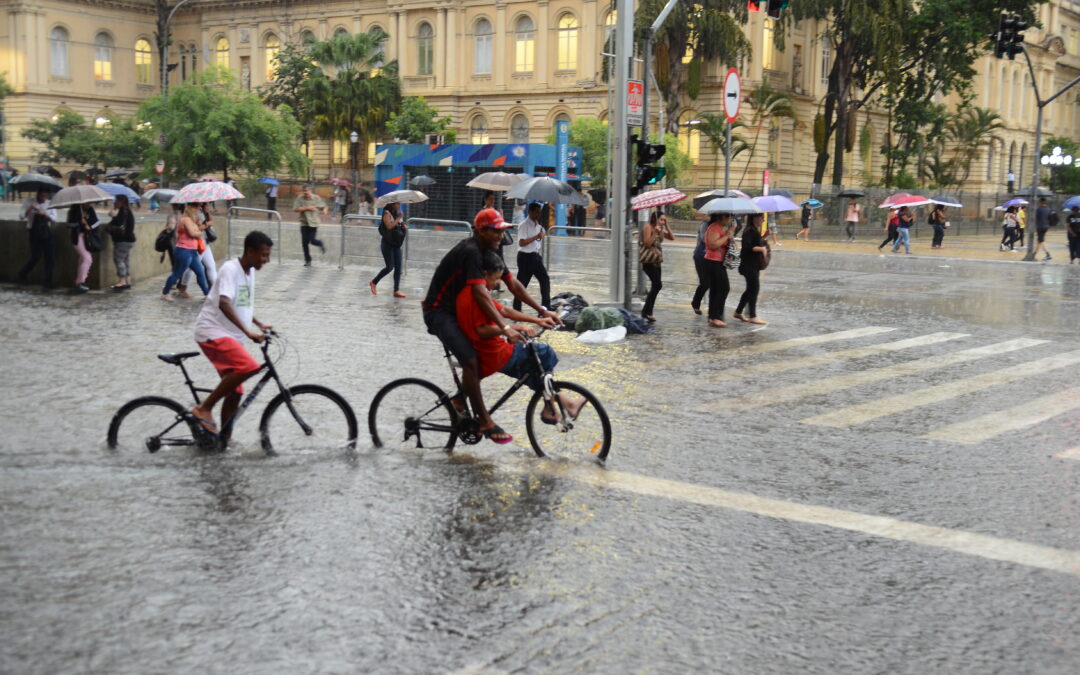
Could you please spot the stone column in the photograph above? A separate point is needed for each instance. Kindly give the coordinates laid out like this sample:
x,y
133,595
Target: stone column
x,y
324,29
37,46
500,54
440,48
450,69
541,67
204,37
392,43
258,56
588,50
402,42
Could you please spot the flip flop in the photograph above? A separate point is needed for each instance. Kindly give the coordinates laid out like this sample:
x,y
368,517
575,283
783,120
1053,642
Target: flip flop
x,y
488,433
208,426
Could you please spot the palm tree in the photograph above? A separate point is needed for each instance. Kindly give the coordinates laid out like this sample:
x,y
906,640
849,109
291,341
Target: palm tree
x,y
766,105
714,128
971,129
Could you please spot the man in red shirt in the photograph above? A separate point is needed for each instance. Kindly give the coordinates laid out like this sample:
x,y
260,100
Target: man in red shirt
x,y
495,354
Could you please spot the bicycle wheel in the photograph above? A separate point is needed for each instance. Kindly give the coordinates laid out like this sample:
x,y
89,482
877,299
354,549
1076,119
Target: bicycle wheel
x,y
151,423
412,413
311,417
588,435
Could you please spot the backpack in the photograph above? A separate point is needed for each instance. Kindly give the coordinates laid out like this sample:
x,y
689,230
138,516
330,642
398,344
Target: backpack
x,y
1053,219
164,240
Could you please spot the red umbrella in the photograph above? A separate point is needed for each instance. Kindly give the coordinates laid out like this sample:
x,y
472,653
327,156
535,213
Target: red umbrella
x,y
655,198
896,201
892,198
341,182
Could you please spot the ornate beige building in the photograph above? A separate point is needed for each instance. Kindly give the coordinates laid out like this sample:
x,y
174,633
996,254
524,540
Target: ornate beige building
x,y
503,70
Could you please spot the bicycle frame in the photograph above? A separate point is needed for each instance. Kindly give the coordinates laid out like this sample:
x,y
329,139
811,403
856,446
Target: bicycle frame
x,y
538,368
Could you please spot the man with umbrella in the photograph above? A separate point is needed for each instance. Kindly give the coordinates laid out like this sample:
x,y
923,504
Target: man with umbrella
x,y
308,204
529,259
39,216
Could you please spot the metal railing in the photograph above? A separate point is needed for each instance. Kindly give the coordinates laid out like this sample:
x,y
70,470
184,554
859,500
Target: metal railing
x,y
229,227
439,221
369,218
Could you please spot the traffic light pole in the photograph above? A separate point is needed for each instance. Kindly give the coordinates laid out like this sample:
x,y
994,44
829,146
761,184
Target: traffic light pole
x,y
620,183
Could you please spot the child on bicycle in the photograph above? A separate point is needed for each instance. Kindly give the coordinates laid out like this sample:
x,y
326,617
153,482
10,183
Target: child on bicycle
x,y
495,353
225,320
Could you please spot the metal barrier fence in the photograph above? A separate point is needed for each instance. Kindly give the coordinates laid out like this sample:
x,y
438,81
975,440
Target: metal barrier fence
x,y
354,217
229,218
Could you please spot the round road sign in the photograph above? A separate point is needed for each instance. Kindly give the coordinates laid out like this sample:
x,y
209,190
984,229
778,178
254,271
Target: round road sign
x,y
732,94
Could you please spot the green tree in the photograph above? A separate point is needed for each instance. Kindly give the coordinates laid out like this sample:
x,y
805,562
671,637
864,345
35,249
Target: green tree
x,y
714,128
70,138
416,119
971,129
5,88
676,160
590,134
210,124
766,105
293,69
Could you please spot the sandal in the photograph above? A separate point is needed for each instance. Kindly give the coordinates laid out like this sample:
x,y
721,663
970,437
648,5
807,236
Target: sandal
x,y
496,430
717,323
697,310
208,426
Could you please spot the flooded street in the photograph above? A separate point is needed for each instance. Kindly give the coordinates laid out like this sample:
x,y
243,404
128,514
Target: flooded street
x,y
883,479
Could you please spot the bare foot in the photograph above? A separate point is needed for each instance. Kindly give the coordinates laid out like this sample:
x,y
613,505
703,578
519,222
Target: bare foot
x,y
398,294
166,298
371,285
717,323
183,294
756,321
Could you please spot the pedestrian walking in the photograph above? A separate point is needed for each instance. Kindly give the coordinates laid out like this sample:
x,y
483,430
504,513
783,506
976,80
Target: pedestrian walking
x,y
717,240
1009,225
529,258
206,254
1021,227
341,199
702,269
308,204
891,225
903,230
393,231
1073,230
805,218
82,219
186,252
39,216
852,216
937,221
271,200
122,230
752,255
1043,221
651,257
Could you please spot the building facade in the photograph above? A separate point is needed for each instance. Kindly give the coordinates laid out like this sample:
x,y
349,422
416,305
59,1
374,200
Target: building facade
x,y
504,70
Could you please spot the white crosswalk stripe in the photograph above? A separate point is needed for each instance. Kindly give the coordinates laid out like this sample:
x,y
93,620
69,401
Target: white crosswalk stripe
x,y
831,384
1018,417
872,410
1071,453
779,345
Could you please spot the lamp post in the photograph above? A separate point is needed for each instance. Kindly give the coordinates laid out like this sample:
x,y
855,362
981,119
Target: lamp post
x,y
354,140
163,42
1056,160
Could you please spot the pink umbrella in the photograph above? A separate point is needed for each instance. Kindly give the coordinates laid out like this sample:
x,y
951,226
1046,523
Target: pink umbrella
x,y
655,198
896,201
892,198
209,191
340,181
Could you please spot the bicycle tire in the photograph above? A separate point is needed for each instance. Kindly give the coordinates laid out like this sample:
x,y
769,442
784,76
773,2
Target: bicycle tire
x,y
319,417
177,414
595,440
442,424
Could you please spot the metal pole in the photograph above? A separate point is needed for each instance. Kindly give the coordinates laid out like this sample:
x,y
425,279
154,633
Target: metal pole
x,y
620,165
163,52
727,159
1030,254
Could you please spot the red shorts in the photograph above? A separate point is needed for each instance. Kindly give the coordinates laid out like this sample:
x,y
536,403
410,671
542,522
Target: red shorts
x,y
229,356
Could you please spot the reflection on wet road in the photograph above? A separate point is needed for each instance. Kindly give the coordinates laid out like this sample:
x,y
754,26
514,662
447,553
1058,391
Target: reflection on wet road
x,y
884,479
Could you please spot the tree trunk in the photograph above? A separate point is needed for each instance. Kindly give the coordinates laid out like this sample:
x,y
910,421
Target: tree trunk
x,y
842,70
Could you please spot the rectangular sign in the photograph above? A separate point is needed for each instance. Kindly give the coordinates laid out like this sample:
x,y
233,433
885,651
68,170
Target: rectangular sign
x,y
635,103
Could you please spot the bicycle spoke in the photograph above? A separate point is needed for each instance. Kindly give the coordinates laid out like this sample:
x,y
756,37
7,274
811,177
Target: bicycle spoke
x,y
587,435
412,414
311,418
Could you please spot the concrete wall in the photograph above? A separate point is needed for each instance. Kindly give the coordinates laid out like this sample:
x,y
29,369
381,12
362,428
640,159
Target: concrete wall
x,y
145,261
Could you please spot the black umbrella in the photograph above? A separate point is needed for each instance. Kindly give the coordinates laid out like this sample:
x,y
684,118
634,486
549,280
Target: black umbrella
x,y
95,171
32,182
117,173
47,170
851,193
422,180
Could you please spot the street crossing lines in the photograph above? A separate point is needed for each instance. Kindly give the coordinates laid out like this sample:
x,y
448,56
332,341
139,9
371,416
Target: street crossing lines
x,y
766,347
890,405
1071,453
760,369
831,384
1018,417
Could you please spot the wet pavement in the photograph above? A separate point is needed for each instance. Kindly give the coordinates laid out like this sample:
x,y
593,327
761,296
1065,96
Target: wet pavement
x,y
883,479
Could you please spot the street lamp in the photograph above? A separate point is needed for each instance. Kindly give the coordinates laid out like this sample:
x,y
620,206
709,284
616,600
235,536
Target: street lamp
x,y
163,46
354,140
1057,159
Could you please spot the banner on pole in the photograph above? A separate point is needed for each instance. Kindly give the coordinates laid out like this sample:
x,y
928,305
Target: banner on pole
x,y
635,103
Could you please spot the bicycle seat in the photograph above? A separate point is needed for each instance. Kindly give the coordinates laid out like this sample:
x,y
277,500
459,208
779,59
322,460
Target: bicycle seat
x,y
175,359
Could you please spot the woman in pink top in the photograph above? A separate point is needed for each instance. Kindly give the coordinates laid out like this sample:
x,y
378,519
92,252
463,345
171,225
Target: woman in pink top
x,y
717,240
186,252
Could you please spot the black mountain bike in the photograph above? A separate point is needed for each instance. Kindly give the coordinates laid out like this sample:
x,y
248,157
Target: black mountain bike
x,y
302,417
412,412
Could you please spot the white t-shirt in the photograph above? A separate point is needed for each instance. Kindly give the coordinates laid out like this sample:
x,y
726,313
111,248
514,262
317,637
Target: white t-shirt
x,y
239,288
528,229
31,203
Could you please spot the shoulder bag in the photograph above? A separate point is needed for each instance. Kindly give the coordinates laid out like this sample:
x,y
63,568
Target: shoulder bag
x,y
651,255
92,241
209,235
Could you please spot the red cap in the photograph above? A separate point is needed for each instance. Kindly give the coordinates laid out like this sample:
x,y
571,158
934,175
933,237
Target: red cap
x,y
491,218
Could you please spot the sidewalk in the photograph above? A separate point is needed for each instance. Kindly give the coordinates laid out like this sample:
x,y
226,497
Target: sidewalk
x,y
979,247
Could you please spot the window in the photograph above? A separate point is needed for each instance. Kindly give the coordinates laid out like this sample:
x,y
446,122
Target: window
x,y
524,45
519,129
768,46
221,53
183,63
425,41
774,144
990,162
58,48
478,131
340,152
1020,168
103,46
482,55
826,62
306,40
143,62
273,46
609,25
340,32
690,136
568,42
379,57
194,51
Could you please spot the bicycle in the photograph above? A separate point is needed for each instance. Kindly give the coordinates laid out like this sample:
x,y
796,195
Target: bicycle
x,y
318,416
412,410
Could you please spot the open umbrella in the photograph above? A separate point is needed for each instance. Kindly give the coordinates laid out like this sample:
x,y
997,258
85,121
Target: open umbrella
x,y
160,194
48,171
94,171
1070,203
851,193
888,201
401,197
118,173
705,197
655,198
1040,192
736,206
497,181
32,182
422,180
80,194
207,191
946,201
812,203
267,180
340,182
909,201
774,203
1015,202
548,190
115,189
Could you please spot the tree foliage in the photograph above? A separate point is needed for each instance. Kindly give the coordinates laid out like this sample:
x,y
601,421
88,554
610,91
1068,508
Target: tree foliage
x,y
293,68
210,124
591,135
1063,179
714,128
70,138
416,119
766,105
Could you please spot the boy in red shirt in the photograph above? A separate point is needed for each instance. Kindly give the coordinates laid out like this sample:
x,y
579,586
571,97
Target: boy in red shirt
x,y
495,354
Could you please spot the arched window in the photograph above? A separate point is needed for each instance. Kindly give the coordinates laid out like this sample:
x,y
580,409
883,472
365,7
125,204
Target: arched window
x,y
341,31
690,136
425,51
379,57
183,63
221,52
562,117
1020,168
273,46
478,130
1002,81
609,25
482,51
306,40
990,161
1012,158
1024,86
103,46
519,129
1013,95
58,49
524,45
143,61
568,42
193,50
826,62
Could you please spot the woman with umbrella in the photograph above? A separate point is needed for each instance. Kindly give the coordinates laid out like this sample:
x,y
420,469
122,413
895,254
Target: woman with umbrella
x,y
186,251
393,231
937,221
754,249
82,219
651,256
39,216
892,223
717,240
805,218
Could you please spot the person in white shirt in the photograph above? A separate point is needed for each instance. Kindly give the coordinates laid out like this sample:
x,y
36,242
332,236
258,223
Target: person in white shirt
x,y
530,262
225,320
39,216
271,200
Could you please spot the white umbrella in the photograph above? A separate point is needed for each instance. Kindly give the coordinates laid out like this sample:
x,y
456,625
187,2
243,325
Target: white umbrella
x,y
946,201
160,194
497,181
401,197
736,206
548,190
80,194
775,203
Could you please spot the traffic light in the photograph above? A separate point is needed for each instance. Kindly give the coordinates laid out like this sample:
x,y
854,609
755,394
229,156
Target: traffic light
x,y
1010,37
647,153
1017,45
774,7
753,5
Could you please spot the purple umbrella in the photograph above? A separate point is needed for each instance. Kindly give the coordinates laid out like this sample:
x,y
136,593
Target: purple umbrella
x,y
774,203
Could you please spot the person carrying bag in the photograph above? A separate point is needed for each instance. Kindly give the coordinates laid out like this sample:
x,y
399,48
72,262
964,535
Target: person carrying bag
x,y
392,230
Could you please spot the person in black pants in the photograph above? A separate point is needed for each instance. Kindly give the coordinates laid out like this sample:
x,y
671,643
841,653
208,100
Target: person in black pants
x,y
530,262
39,216
717,240
754,246
891,233
651,257
393,231
702,270
937,221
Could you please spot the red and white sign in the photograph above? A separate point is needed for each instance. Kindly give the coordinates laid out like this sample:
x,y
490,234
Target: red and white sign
x,y
635,103
732,95
160,166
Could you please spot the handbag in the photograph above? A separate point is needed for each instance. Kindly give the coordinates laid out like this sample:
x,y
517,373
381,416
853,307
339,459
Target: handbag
x,y
651,255
764,258
164,240
93,242
210,235
731,258
395,237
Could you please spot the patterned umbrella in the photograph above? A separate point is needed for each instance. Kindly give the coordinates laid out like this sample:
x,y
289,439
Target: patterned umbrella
x,y
401,197
497,181
774,203
656,198
80,194
117,189
208,191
